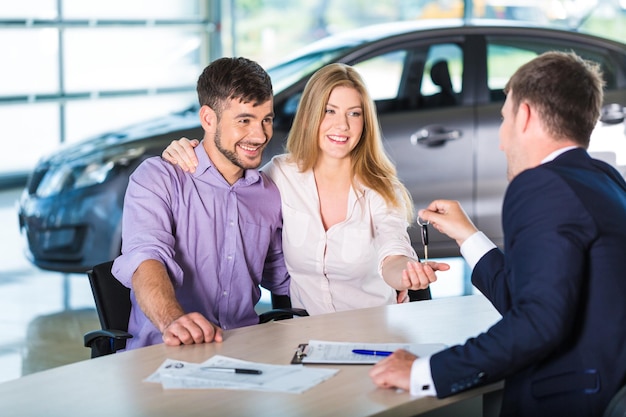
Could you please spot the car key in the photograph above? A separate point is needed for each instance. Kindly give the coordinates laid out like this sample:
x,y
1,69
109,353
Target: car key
x,y
424,226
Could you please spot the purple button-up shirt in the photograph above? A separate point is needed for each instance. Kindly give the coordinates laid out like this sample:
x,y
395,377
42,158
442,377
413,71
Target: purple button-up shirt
x,y
218,242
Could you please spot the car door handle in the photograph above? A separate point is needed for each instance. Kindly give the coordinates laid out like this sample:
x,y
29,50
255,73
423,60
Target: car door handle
x,y
434,136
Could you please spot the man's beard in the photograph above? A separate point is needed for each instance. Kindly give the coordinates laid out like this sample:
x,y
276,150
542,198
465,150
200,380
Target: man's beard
x,y
231,155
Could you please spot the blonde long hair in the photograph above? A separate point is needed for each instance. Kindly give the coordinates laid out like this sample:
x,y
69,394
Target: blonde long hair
x,y
370,164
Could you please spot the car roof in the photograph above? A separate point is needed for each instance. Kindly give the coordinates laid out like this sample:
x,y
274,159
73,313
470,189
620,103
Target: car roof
x,y
372,33
339,47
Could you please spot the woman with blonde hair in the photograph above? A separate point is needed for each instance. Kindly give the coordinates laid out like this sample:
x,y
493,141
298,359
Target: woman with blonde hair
x,y
345,212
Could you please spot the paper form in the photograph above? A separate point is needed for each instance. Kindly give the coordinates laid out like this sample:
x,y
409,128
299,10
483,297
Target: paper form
x,y
174,374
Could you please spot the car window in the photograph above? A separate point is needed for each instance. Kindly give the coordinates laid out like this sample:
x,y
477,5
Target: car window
x,y
285,74
502,62
505,55
382,74
443,76
423,77
453,56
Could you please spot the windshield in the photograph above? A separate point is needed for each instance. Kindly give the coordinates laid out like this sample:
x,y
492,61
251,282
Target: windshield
x,y
331,48
288,72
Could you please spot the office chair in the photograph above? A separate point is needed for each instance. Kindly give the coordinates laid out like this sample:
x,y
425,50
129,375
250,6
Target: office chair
x,y
420,295
617,406
113,306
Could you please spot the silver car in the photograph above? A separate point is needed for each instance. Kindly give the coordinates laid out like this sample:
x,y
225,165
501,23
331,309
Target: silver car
x,y
438,89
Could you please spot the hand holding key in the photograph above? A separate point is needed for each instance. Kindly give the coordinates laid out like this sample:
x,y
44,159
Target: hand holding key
x,y
448,217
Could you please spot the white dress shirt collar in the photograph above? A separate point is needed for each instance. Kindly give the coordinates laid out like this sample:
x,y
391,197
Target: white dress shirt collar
x,y
556,153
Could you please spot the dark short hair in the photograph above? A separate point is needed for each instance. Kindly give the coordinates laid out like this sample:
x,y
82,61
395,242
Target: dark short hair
x,y
233,78
567,91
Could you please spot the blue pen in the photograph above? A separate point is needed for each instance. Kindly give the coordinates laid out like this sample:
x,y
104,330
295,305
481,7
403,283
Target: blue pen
x,y
372,352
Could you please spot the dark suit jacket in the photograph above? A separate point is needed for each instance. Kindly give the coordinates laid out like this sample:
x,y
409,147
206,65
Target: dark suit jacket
x,y
560,286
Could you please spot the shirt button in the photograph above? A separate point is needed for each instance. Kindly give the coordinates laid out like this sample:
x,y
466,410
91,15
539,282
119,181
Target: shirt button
x,y
225,293
229,257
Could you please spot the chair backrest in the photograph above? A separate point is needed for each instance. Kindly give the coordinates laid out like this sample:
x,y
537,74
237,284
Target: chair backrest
x,y
111,297
420,295
617,406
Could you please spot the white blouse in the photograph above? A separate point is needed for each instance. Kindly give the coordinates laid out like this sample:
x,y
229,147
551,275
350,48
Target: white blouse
x,y
338,269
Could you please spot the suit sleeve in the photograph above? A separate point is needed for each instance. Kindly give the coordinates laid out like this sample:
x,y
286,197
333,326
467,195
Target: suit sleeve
x,y
535,284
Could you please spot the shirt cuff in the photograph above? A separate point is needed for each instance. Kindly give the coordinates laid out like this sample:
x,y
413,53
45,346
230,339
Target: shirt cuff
x,y
422,384
475,247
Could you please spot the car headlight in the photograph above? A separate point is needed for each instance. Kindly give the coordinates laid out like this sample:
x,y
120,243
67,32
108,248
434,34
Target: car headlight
x,y
85,171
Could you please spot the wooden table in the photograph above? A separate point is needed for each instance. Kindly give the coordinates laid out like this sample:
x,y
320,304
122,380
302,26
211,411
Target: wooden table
x,y
113,385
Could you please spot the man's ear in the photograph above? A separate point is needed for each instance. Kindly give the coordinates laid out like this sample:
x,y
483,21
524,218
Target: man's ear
x,y
525,114
208,118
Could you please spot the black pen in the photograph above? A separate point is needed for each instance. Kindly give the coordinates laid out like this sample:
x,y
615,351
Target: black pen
x,y
233,370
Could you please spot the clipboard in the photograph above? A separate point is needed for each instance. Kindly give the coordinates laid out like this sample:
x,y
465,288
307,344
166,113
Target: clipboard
x,y
340,353
299,354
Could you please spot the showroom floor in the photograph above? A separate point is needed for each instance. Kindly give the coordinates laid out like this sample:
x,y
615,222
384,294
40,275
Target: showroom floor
x,y
43,315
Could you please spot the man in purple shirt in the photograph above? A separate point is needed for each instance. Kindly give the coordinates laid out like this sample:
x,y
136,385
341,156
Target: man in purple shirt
x,y
196,246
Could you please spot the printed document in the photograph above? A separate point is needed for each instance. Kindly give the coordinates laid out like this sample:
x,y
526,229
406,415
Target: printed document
x,y
175,374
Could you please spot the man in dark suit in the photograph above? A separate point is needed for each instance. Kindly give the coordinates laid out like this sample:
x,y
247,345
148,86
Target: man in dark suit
x,y
560,283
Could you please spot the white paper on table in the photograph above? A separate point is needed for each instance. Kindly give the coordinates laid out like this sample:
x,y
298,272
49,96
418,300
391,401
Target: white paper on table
x,y
173,374
318,351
